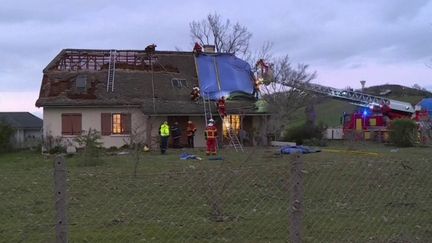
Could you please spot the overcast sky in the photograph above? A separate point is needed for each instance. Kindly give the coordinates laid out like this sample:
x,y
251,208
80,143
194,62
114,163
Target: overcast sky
x,y
380,41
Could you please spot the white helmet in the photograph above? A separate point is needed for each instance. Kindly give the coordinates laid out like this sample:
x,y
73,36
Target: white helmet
x,y
211,120
210,124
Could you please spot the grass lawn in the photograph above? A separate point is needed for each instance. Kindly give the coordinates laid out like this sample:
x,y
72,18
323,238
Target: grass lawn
x,y
367,195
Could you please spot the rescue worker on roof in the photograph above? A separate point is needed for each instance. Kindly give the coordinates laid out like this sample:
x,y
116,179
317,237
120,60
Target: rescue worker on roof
x,y
197,49
164,132
221,107
195,94
150,49
190,132
256,90
210,135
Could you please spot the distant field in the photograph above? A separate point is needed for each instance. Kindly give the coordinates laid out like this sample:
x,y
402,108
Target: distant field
x,y
370,194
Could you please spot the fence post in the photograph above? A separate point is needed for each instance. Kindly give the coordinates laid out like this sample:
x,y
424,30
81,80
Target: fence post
x,y
296,198
60,174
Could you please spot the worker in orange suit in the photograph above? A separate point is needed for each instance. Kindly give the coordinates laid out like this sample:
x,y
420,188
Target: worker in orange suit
x,y
190,132
210,135
221,107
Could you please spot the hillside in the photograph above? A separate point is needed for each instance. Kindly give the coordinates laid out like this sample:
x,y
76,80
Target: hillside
x,y
329,111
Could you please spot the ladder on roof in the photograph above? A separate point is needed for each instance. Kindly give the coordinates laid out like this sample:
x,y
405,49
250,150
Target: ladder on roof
x,y
111,70
234,141
207,108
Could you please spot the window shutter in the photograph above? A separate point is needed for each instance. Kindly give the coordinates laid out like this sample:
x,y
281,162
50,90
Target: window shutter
x,y
66,124
106,124
126,122
76,124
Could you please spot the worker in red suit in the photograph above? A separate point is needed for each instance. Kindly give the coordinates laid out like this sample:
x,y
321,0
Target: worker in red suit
x,y
210,135
221,107
197,49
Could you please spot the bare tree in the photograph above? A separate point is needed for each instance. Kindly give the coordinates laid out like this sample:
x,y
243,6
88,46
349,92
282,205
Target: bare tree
x,y
225,36
418,87
283,92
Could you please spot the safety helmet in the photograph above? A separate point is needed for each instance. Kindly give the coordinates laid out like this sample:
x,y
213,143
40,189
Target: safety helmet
x,y
210,124
211,120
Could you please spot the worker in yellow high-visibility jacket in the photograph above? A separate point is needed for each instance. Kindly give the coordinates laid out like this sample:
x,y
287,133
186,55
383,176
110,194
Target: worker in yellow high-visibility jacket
x,y
164,132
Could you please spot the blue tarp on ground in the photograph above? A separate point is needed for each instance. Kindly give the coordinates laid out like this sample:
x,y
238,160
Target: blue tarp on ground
x,y
426,104
186,156
221,74
298,149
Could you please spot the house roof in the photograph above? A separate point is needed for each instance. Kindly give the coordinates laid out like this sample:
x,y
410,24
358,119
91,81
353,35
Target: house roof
x,y
21,120
159,83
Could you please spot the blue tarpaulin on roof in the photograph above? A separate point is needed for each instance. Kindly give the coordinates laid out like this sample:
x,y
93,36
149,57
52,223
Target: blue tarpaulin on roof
x,y
221,74
427,105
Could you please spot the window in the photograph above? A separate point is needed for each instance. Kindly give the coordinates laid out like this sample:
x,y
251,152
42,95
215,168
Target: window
x,y
179,83
81,83
233,122
115,123
71,124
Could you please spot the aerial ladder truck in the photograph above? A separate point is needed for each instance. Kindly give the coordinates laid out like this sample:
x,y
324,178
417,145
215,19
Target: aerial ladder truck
x,y
372,122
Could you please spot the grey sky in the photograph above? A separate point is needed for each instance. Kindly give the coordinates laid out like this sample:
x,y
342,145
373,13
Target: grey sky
x,y
380,41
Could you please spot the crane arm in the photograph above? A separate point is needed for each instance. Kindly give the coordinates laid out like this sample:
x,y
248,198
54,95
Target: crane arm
x,y
355,97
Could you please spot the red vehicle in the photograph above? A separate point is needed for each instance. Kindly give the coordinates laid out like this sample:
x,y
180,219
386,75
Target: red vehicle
x,y
372,124
372,121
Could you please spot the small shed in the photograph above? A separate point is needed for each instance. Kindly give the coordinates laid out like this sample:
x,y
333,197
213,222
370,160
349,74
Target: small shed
x,y
27,128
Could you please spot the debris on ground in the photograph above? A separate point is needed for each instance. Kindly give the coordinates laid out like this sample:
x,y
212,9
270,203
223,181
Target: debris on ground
x,y
299,149
186,156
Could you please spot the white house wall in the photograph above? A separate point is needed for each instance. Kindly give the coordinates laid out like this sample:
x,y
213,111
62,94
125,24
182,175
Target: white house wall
x,y
91,118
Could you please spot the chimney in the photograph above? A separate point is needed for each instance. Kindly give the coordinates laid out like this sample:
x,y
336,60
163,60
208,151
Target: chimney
x,y
209,48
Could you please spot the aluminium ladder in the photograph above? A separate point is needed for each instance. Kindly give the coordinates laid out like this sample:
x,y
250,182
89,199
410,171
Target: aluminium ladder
x,y
111,70
207,108
355,97
234,140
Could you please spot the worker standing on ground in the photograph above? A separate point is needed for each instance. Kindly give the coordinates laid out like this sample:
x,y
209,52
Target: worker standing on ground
x,y
221,107
164,132
210,135
190,132
176,135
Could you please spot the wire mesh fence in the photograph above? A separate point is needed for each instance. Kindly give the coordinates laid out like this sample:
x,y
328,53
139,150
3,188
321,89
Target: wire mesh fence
x,y
349,196
26,205
220,202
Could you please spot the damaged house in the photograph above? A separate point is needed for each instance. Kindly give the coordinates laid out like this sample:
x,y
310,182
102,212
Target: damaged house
x,y
126,93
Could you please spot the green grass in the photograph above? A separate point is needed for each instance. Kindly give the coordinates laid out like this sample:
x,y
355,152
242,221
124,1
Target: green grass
x,y
328,111
379,196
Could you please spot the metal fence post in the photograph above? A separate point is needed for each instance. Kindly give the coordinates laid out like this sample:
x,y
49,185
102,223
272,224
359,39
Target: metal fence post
x,y
60,174
296,198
